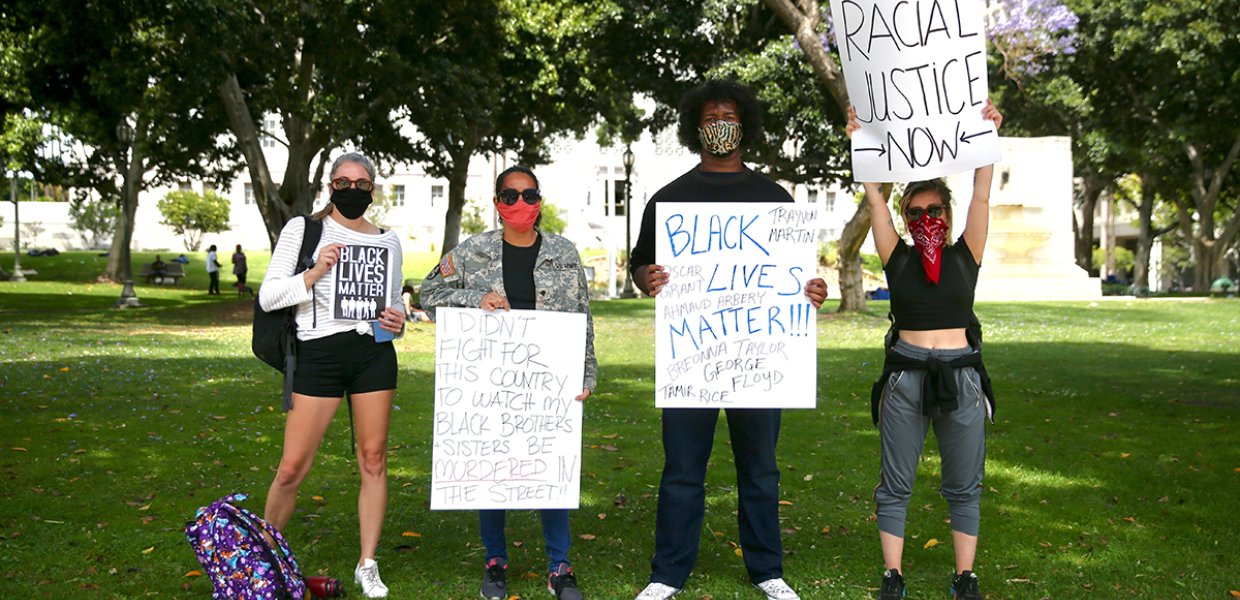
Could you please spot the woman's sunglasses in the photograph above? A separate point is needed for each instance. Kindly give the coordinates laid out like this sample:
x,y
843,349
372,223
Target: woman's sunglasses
x,y
343,183
509,196
935,211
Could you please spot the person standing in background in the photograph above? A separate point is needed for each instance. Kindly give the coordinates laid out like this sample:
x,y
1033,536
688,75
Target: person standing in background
x,y
213,271
239,267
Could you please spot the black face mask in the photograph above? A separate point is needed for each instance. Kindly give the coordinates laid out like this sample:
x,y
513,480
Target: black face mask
x,y
351,202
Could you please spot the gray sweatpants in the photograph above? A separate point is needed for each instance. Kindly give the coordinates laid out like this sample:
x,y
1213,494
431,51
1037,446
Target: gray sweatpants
x,y
961,435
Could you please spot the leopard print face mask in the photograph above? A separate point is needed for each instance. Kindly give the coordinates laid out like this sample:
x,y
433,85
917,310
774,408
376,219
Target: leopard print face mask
x,y
720,138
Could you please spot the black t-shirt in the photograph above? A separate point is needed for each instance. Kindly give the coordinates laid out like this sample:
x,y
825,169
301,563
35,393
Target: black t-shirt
x,y
919,305
519,273
700,186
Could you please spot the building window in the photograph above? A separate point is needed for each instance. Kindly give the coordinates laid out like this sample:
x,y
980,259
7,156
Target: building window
x,y
269,126
617,197
436,194
828,201
185,186
249,193
811,195
398,195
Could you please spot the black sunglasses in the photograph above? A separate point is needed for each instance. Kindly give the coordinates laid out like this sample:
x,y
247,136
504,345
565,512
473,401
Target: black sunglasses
x,y
343,183
509,196
935,211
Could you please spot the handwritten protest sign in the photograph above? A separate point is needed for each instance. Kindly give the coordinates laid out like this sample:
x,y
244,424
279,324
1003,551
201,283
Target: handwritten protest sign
x,y
507,422
916,75
733,328
363,281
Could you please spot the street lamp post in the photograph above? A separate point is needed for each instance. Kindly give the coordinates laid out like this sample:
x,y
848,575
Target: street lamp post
x,y
128,299
628,224
17,232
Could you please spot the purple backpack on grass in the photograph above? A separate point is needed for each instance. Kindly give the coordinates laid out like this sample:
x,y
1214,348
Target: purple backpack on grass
x,y
241,564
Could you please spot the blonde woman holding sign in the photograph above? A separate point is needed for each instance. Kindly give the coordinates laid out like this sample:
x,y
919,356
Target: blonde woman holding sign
x,y
933,373
337,356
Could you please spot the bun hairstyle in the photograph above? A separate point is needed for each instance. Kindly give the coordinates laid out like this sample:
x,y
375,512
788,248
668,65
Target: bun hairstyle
x,y
499,181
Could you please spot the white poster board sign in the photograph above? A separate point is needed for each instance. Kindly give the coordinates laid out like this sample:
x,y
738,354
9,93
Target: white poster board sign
x,y
507,426
916,75
733,328
362,283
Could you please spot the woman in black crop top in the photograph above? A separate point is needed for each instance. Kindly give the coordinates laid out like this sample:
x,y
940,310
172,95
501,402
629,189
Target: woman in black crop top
x,y
931,375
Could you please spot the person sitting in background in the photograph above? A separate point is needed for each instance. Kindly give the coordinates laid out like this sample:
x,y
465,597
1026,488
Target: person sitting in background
x,y
159,268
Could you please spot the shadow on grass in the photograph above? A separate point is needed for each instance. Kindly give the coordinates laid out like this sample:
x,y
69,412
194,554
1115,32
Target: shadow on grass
x,y
1103,453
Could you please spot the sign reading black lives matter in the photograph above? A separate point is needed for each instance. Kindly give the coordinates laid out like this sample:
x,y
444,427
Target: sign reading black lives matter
x,y
507,424
363,283
733,327
916,75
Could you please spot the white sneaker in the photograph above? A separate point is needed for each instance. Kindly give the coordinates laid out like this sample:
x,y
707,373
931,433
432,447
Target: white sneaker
x,y
776,589
367,576
657,591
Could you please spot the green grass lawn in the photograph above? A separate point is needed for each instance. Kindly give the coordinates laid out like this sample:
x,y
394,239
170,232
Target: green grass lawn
x,y
1113,469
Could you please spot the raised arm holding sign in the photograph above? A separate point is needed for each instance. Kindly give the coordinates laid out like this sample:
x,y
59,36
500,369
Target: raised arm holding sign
x,y
933,370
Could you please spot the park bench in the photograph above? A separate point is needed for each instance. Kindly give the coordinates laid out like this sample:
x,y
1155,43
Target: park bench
x,y
172,270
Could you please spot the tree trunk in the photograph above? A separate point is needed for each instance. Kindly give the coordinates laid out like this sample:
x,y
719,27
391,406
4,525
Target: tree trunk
x,y
266,195
133,173
1083,219
852,284
456,203
458,176
1207,185
804,22
1145,239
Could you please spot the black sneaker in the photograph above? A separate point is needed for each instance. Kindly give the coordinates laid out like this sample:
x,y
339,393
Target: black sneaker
x,y
964,587
892,587
563,584
495,580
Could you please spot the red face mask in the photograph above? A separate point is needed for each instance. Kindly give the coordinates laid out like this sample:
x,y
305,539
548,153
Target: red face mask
x,y
929,237
520,216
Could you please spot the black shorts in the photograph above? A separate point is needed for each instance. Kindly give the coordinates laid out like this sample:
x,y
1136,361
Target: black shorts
x,y
344,362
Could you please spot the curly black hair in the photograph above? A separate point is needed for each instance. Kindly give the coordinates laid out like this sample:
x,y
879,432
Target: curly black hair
x,y
716,90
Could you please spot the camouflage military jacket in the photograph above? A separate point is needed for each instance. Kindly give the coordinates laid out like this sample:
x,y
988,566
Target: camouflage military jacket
x,y
475,267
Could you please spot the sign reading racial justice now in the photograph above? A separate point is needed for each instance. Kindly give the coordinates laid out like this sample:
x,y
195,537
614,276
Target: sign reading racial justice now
x,y
916,75
733,328
507,423
363,282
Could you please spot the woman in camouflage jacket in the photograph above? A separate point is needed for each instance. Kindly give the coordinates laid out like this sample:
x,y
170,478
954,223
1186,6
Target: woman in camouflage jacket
x,y
518,266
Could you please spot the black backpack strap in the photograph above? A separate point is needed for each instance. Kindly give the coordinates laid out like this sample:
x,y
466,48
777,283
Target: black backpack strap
x,y
893,332
311,235
312,232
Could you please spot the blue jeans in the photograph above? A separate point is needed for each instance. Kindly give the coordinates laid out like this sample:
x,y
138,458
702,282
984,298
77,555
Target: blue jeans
x,y
688,436
555,535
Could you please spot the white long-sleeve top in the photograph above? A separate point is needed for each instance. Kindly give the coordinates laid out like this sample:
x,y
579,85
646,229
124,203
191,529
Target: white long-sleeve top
x,y
281,288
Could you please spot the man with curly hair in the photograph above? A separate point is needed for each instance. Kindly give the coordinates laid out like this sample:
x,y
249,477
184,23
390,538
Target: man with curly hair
x,y
718,120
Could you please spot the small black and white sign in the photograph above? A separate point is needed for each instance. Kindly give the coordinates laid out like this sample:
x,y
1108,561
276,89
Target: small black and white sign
x,y
362,283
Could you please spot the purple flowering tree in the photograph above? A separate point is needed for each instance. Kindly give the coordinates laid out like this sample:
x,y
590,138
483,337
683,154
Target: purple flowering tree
x,y
1026,32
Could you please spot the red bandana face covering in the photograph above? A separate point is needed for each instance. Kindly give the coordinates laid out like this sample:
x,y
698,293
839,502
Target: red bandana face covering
x,y
929,237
